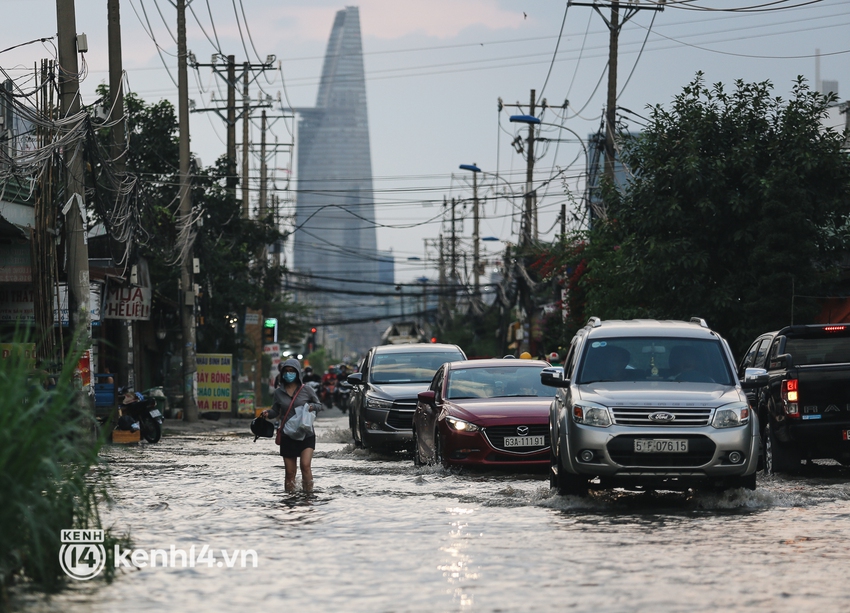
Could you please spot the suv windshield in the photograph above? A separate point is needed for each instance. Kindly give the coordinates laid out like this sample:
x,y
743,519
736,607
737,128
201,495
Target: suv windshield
x,y
654,359
413,367
495,382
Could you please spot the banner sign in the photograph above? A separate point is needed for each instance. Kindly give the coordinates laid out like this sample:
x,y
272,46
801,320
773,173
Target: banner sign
x,y
129,303
16,304
15,263
60,310
214,381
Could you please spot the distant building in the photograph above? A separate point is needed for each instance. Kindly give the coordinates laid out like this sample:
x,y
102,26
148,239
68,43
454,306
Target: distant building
x,y
386,268
335,213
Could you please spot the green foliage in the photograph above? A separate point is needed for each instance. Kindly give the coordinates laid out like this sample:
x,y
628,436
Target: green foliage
x,y
47,453
233,275
735,200
320,360
475,334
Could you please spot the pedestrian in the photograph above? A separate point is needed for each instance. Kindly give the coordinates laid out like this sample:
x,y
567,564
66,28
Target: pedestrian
x,y
293,393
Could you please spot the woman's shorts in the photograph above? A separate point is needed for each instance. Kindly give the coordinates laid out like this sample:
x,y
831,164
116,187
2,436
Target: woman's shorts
x,y
290,448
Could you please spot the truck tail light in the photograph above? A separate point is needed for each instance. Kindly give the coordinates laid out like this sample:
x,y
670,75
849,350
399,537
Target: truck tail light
x,y
790,397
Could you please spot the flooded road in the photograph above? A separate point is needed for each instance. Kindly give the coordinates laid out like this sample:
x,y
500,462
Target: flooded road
x,y
381,535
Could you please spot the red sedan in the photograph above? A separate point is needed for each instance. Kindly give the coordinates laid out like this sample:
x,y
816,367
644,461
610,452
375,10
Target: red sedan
x,y
485,413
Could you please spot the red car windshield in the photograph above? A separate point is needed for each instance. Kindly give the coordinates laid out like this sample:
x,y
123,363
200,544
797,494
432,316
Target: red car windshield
x,y
495,382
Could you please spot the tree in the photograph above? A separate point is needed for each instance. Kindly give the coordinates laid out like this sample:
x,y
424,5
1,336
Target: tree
x,y
736,201
228,246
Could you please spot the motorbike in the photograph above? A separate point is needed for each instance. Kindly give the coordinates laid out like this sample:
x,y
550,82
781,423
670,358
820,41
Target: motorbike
x,y
327,395
316,386
342,395
144,412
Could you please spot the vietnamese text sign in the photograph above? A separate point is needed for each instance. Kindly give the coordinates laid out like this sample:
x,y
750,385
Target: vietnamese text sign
x,y
131,303
15,263
60,305
16,304
214,381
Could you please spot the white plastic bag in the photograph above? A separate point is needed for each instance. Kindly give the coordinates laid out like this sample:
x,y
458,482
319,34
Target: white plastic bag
x,y
300,425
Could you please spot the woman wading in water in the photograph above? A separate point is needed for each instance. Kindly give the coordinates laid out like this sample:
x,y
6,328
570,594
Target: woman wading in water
x,y
293,393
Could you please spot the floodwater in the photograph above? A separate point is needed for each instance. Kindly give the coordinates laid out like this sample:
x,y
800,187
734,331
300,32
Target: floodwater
x,y
379,534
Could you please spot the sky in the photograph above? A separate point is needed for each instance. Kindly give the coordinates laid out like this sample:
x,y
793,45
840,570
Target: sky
x,y
435,73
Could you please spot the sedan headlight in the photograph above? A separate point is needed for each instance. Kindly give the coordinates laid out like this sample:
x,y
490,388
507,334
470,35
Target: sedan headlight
x,y
461,425
378,403
591,414
731,415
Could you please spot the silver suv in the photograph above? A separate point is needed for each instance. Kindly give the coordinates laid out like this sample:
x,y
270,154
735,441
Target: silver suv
x,y
646,404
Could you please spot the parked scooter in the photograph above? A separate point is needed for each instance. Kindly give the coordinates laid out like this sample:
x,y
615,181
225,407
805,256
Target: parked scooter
x,y
143,411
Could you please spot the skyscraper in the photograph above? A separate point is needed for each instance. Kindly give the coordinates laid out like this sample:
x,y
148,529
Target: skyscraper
x,y
335,214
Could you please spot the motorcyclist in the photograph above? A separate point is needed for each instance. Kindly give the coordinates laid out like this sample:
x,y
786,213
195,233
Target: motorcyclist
x,y
309,375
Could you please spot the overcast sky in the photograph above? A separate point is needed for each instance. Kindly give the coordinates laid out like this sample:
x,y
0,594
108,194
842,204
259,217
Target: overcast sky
x,y
435,71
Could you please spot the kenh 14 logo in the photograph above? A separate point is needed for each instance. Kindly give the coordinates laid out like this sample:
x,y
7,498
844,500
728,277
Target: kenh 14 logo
x,y
82,555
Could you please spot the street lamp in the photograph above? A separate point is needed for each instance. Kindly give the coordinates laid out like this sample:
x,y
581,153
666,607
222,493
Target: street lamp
x,y
532,121
476,278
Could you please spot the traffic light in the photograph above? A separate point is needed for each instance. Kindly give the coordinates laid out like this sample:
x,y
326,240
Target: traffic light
x,y
269,331
311,340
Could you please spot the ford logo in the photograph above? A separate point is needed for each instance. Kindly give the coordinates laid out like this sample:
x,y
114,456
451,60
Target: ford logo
x,y
662,417
522,430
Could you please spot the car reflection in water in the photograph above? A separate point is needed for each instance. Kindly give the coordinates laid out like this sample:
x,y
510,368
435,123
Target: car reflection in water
x,y
484,412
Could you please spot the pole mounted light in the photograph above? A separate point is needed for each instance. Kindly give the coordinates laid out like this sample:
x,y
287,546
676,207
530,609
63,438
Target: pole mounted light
x,y
531,119
471,167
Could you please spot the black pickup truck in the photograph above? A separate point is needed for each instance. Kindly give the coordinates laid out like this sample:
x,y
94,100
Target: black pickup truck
x,y
804,410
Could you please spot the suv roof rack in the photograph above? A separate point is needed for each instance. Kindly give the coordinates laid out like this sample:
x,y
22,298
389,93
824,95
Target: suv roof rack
x,y
594,322
700,321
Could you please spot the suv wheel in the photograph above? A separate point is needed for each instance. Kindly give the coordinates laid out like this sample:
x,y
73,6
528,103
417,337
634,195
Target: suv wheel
x,y
566,483
778,458
417,460
361,431
747,482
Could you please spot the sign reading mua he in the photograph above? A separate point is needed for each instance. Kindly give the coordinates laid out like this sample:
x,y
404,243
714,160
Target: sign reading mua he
x,y
128,303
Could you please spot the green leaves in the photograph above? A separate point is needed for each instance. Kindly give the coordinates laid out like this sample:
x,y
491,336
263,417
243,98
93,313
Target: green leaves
x,y
734,195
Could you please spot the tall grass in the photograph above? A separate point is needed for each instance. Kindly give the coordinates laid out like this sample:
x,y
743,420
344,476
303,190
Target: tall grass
x,y
48,447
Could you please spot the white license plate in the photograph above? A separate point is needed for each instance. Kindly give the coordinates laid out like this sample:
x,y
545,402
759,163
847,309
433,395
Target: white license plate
x,y
661,445
525,441
155,413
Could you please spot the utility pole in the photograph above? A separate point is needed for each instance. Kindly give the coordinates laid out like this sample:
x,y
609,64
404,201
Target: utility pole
x,y
187,286
611,105
614,25
263,167
454,241
476,251
231,126
228,113
75,224
126,339
530,197
246,118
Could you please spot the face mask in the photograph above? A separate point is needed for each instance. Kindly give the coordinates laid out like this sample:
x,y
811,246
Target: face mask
x,y
289,377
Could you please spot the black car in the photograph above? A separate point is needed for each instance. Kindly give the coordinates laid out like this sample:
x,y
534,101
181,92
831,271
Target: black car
x,y
804,409
386,388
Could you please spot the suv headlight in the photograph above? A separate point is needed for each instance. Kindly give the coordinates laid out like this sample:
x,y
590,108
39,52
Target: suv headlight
x,y
461,425
731,415
378,403
591,414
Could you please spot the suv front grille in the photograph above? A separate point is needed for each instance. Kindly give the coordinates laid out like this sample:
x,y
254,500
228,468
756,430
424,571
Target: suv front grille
x,y
700,451
400,420
496,435
639,416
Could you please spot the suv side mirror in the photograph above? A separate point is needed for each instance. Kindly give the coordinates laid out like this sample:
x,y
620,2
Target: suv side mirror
x,y
755,378
427,397
355,378
554,377
782,361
